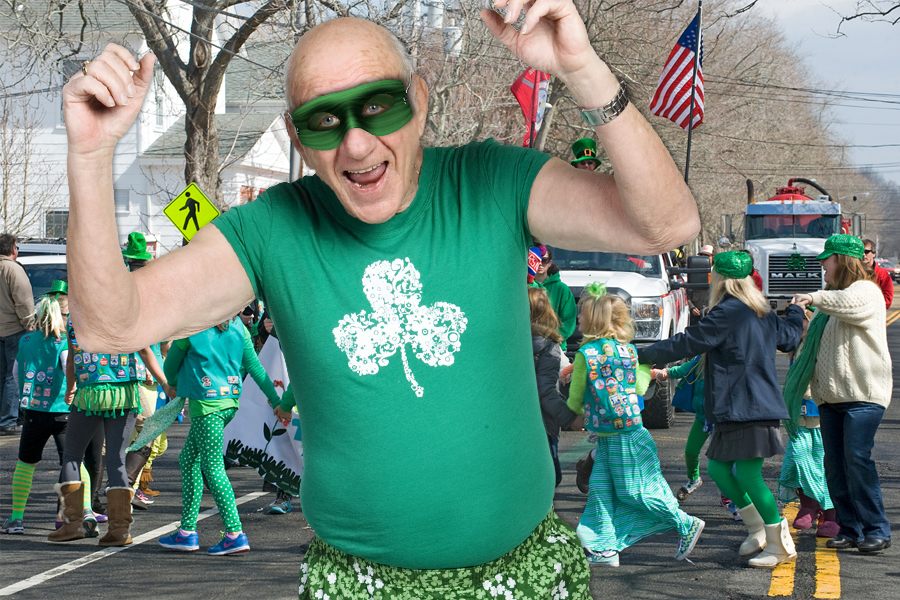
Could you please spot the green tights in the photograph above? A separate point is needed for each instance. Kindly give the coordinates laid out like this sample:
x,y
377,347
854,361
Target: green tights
x,y
203,451
745,485
696,438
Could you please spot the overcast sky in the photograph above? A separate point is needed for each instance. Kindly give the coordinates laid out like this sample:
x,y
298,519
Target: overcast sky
x,y
865,59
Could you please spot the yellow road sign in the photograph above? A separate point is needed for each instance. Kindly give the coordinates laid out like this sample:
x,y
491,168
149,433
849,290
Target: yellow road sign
x,y
190,211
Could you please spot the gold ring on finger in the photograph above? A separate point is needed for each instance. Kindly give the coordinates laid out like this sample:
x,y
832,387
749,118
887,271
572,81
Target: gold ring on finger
x,y
84,67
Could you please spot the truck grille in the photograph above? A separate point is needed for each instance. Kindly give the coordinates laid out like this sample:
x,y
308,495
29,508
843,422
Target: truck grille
x,y
786,280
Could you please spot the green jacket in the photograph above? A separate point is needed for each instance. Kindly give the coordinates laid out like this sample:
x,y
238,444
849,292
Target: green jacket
x,y
563,303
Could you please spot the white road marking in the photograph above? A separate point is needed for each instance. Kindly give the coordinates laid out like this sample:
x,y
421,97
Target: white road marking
x,y
86,560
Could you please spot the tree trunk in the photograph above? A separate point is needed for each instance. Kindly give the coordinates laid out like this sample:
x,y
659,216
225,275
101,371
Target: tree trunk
x,y
201,153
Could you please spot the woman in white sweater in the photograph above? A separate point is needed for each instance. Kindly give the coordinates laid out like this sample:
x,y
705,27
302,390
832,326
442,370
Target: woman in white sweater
x,y
851,384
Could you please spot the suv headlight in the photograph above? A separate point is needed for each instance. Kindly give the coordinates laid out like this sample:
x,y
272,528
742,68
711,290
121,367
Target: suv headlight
x,y
647,315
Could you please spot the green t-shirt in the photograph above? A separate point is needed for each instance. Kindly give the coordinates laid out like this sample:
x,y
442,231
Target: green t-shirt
x,y
422,434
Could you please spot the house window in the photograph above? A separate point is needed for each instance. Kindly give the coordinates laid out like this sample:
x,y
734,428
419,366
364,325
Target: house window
x,y
67,69
122,200
56,223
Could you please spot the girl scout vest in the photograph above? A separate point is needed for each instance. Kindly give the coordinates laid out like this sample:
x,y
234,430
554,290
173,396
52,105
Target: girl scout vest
x,y
611,402
94,369
41,380
212,365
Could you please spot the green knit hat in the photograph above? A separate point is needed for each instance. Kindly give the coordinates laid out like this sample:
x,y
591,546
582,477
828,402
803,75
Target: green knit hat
x,y
733,265
585,149
137,247
843,243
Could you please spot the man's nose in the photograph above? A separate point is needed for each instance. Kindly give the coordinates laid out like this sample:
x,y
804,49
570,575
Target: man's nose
x,y
358,143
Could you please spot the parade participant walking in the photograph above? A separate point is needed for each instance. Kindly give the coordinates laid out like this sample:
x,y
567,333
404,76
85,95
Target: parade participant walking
x,y
393,321
878,273
739,336
561,299
848,367
545,340
691,373
628,497
206,369
16,318
41,362
106,397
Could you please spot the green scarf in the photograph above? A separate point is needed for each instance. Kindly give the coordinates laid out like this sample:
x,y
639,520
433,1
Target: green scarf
x,y
801,372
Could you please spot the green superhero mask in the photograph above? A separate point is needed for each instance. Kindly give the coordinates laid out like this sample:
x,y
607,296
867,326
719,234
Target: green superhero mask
x,y
381,108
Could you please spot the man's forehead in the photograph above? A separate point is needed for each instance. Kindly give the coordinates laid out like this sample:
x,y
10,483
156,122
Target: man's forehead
x,y
366,55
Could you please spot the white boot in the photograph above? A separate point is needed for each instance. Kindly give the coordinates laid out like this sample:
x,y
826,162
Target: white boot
x,y
756,541
779,547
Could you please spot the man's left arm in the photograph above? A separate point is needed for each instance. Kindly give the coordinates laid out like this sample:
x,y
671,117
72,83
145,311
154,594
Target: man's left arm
x,y
23,299
646,208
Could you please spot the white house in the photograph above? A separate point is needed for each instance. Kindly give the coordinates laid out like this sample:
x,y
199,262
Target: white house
x,y
148,164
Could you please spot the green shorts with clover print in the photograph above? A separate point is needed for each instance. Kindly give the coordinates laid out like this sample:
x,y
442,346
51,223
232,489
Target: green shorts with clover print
x,y
550,564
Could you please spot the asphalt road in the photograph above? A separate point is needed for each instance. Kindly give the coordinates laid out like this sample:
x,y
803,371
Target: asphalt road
x,y
31,567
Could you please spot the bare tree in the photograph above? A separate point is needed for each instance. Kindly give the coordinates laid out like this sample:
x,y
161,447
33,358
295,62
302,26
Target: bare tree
x,y
27,187
874,10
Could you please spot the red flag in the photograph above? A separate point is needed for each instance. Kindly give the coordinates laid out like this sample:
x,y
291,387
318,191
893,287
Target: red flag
x,y
672,99
532,101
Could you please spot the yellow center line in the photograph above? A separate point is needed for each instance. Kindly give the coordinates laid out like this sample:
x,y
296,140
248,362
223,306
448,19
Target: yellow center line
x,y
783,575
828,571
893,317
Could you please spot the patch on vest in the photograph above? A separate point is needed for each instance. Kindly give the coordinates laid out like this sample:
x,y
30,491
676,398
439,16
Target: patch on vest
x,y
394,292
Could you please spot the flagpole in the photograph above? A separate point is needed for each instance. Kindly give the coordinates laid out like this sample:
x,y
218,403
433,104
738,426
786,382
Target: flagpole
x,y
534,100
697,50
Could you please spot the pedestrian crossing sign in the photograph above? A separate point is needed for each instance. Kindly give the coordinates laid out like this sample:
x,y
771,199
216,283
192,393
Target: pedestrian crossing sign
x,y
190,211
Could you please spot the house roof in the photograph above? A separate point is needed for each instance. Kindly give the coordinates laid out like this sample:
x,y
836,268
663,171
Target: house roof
x,y
246,83
237,135
102,16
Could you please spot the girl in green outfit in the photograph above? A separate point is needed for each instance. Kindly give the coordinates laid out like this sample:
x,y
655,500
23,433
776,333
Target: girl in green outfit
x,y
206,369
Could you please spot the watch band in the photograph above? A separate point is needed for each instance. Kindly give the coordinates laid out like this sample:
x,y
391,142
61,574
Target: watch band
x,y
605,114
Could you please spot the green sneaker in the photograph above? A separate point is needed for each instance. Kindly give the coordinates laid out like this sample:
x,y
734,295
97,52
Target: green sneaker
x,y
689,540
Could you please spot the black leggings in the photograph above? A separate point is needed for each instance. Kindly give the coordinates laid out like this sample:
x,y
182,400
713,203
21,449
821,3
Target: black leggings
x,y
81,432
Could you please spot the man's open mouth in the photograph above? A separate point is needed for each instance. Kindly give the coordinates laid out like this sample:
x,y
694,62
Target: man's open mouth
x,y
367,177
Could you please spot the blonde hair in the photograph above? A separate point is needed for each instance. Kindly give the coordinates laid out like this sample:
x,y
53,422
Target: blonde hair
x,y
849,270
544,321
605,317
744,290
224,326
50,316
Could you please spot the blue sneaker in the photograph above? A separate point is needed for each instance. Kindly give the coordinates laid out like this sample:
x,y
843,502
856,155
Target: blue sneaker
x,y
183,541
13,526
281,505
231,544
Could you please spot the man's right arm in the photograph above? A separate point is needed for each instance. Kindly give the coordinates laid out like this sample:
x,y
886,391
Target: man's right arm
x,y
184,292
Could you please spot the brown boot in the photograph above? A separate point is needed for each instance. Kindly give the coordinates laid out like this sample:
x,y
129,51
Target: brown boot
x,y
118,509
144,486
71,500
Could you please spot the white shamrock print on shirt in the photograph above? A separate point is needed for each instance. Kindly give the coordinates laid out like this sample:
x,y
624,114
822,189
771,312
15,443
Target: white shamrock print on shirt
x,y
397,319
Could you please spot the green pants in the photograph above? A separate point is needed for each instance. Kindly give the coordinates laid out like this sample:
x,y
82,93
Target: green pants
x,y
696,438
742,482
202,452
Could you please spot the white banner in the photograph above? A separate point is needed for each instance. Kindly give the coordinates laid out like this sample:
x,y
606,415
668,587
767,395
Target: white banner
x,y
256,438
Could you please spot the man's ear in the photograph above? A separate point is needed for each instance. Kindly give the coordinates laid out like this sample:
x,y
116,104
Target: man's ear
x,y
292,134
420,102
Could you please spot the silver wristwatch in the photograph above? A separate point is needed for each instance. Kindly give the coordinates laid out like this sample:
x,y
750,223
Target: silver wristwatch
x,y
605,114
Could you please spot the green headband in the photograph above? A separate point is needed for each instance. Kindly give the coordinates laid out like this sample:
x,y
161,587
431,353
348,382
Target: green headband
x,y
733,265
381,108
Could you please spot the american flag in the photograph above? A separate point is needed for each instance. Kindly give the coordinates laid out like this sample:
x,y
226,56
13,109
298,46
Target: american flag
x,y
672,99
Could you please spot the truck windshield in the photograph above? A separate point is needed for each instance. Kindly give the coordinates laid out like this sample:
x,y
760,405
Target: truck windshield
x,y
569,260
760,227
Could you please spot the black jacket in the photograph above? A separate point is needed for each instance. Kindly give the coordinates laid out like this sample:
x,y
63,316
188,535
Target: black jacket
x,y
741,381
556,414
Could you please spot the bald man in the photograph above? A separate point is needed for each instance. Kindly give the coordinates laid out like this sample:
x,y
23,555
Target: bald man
x,y
426,459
